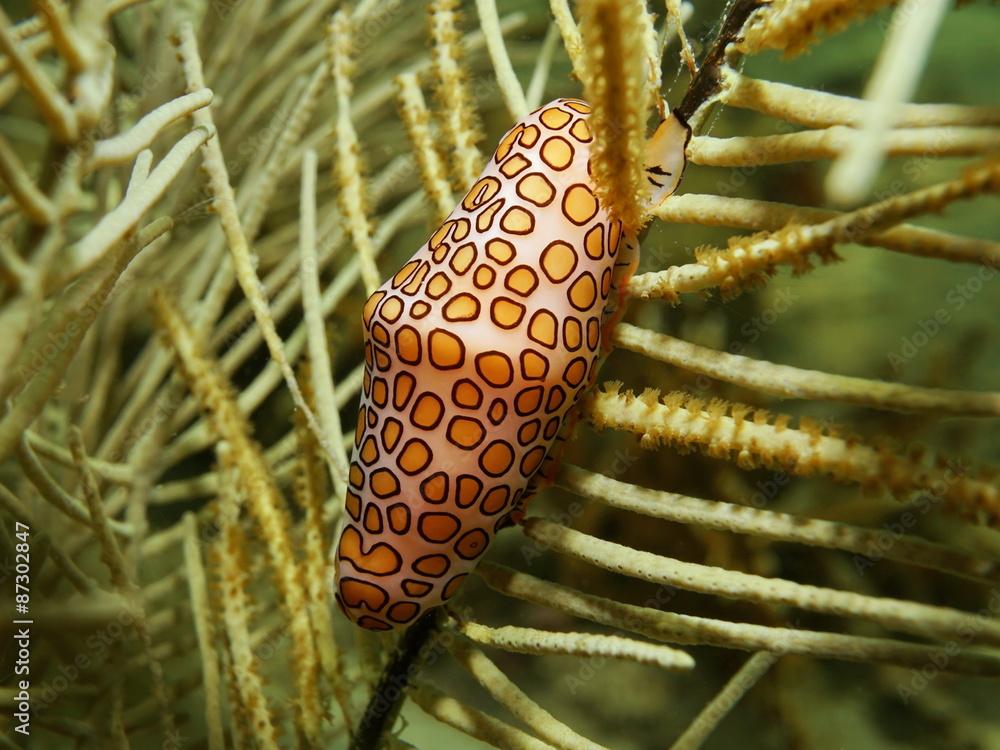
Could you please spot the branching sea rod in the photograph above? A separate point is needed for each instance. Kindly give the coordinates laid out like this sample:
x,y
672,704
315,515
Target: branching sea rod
x,y
613,428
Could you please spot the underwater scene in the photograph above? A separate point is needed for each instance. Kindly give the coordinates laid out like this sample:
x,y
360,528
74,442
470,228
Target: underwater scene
x,y
576,374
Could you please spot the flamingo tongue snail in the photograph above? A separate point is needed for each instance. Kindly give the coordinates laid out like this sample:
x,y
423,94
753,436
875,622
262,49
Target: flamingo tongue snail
x,y
476,352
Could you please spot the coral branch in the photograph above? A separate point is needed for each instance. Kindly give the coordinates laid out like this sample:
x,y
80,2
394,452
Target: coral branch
x,y
348,167
909,617
677,14
40,370
459,118
511,697
278,55
319,357
792,26
262,180
118,223
748,259
224,202
201,613
892,82
36,206
794,382
770,524
725,700
231,564
540,642
255,393
721,430
79,580
472,721
811,145
432,168
310,494
65,39
510,87
126,146
821,109
543,67
572,41
260,491
53,106
111,556
671,627
745,213
616,84
54,493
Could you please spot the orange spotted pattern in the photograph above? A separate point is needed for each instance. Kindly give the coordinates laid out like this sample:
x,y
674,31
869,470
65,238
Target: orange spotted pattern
x,y
475,354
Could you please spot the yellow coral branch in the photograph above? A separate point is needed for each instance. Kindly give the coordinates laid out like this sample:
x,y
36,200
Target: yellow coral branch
x,y
511,697
471,721
792,26
747,259
252,396
33,202
262,181
53,492
722,430
115,225
746,213
126,146
677,14
725,700
66,40
279,55
906,616
231,563
310,493
616,85
541,642
111,556
572,41
510,87
224,202
810,145
348,167
892,82
786,527
821,109
670,627
795,382
70,318
319,356
416,118
261,493
77,578
53,106
200,612
454,98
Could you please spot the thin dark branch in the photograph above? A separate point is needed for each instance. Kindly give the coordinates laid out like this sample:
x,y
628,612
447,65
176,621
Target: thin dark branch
x,y
383,707
708,79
